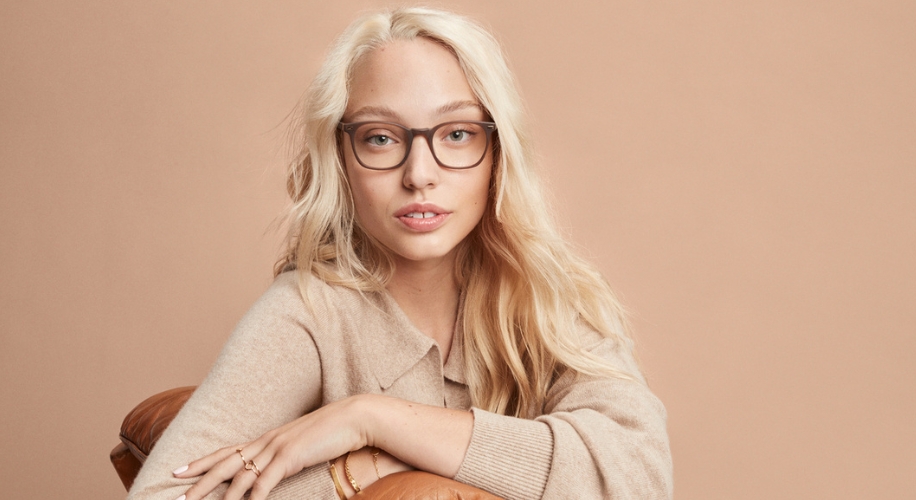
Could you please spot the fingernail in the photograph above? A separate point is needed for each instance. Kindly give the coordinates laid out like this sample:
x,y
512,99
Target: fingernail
x,y
179,471
182,497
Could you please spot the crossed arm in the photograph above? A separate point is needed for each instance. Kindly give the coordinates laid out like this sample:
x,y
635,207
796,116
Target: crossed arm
x,y
424,437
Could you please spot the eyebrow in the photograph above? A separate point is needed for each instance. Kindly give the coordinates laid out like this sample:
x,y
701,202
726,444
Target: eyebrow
x,y
381,111
390,114
457,105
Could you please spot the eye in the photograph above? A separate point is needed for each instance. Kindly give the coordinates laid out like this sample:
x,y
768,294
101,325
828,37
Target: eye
x,y
377,135
378,140
458,135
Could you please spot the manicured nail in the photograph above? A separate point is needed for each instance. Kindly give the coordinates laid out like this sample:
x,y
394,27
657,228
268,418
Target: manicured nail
x,y
179,471
182,497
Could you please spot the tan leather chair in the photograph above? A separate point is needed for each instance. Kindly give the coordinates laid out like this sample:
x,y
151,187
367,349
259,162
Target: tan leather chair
x,y
144,424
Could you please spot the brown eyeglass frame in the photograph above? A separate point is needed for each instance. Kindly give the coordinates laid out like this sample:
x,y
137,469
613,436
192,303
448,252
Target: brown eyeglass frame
x,y
349,128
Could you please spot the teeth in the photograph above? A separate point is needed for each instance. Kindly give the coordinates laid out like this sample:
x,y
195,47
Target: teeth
x,y
418,215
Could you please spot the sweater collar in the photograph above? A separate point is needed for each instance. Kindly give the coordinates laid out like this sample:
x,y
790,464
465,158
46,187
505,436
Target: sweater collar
x,y
403,346
454,365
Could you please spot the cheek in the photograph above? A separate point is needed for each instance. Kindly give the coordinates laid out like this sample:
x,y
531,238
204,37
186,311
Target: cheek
x,y
482,188
370,199
360,187
362,199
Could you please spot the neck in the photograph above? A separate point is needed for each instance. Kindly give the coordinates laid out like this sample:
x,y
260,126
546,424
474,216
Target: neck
x,y
428,295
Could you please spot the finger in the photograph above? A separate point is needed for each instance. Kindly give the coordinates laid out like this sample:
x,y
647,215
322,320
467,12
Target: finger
x,y
249,476
270,477
241,483
223,471
204,464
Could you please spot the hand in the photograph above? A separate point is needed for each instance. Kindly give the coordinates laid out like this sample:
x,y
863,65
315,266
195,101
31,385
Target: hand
x,y
317,437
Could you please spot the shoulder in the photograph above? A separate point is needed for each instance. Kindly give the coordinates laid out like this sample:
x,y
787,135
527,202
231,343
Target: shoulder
x,y
616,350
282,293
316,317
294,295
282,310
321,308
288,288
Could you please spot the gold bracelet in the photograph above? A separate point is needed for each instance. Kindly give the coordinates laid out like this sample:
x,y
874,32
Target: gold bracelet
x,y
375,452
350,476
337,486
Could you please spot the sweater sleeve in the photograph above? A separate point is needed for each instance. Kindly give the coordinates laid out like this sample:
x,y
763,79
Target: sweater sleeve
x,y
600,437
267,374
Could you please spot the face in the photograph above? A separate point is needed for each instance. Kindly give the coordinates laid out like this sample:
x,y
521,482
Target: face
x,y
420,211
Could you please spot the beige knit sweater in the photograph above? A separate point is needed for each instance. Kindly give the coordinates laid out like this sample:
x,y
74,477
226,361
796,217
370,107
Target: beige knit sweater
x,y
598,437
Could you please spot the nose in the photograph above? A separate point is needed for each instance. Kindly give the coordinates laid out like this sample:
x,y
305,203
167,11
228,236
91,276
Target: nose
x,y
421,169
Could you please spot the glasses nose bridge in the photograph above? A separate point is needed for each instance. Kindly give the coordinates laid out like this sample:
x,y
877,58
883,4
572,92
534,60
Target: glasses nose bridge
x,y
421,132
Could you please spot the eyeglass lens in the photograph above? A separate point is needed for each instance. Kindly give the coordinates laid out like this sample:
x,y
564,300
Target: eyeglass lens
x,y
382,145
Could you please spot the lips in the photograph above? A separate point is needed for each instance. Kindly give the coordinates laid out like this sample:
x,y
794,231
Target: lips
x,y
422,217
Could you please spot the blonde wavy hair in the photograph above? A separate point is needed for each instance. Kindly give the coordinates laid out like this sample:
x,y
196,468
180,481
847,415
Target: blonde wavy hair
x,y
525,292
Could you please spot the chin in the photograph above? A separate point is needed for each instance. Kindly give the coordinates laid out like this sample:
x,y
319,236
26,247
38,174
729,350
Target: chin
x,y
420,258
421,255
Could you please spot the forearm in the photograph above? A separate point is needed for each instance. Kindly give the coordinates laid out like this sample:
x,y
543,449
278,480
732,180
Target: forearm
x,y
429,438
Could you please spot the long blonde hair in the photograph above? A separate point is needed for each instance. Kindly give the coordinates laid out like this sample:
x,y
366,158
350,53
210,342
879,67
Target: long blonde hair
x,y
525,292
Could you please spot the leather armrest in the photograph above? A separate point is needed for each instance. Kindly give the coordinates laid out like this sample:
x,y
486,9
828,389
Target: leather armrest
x,y
141,429
143,426
418,485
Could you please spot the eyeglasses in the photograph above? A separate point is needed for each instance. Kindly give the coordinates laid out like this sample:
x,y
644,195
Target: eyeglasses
x,y
385,145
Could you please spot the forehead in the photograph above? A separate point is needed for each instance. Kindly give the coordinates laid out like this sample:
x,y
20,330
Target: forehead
x,y
414,79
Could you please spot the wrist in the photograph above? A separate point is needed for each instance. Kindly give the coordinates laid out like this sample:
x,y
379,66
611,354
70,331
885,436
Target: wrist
x,y
389,464
359,469
368,412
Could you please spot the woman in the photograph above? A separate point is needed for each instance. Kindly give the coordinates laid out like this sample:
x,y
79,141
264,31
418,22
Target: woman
x,y
427,315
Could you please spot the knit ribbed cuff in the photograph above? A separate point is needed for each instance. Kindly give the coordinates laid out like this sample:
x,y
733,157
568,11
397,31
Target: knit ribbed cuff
x,y
508,456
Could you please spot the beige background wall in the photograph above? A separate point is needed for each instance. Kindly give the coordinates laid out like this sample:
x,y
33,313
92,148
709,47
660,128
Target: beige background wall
x,y
743,173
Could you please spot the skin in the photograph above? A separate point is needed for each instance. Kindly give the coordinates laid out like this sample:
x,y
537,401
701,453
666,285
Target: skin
x,y
418,84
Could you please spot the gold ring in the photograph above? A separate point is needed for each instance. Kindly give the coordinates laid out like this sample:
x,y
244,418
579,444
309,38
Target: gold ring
x,y
244,460
253,467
